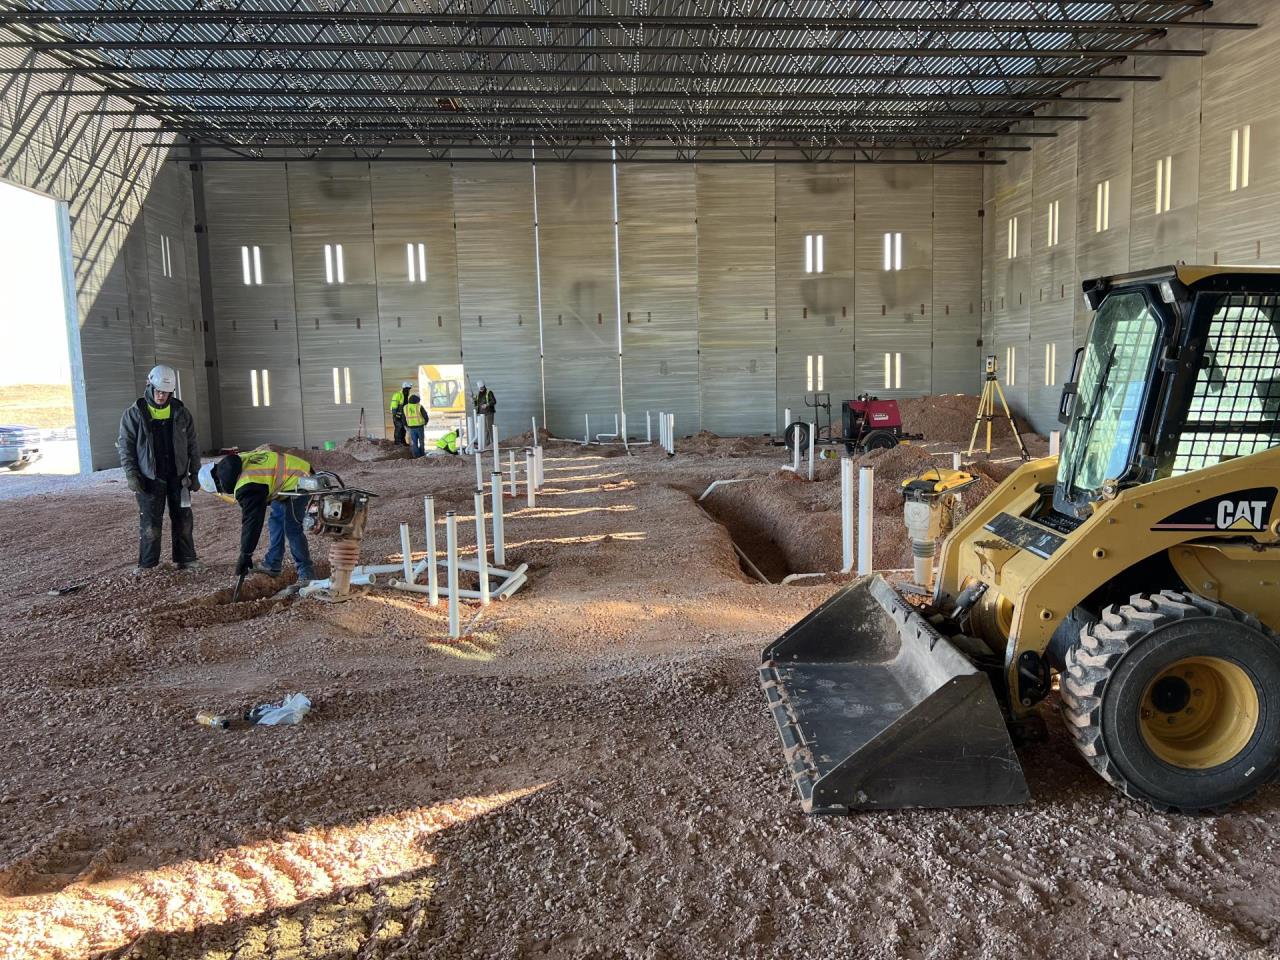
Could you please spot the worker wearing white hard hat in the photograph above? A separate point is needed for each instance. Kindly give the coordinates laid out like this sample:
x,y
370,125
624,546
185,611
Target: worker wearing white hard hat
x,y
485,404
160,456
398,400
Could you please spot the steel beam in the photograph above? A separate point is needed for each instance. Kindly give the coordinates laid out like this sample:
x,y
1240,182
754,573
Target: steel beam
x,y
587,145
695,76
558,132
321,113
371,18
524,49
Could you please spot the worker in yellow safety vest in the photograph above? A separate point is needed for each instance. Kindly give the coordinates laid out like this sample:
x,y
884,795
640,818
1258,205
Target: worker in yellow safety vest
x,y
398,400
255,480
415,419
448,443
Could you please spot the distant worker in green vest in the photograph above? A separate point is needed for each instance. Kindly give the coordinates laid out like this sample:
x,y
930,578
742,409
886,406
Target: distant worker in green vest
x,y
255,480
448,443
485,403
415,419
398,400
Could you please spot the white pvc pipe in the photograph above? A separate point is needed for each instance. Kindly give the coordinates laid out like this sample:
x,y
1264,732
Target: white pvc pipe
x,y
671,433
497,463
482,549
866,507
662,430
955,460
786,420
534,420
479,470
530,478
406,553
511,462
1055,442
813,439
433,575
499,547
648,428
586,435
451,545
846,514
538,461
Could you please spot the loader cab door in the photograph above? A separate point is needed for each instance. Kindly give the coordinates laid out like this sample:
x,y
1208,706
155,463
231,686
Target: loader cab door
x,y
1113,398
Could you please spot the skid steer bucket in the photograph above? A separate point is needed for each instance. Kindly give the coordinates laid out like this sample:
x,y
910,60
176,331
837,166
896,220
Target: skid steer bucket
x,y
878,710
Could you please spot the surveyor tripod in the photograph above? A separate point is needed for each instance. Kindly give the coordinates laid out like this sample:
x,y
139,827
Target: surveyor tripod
x,y
987,411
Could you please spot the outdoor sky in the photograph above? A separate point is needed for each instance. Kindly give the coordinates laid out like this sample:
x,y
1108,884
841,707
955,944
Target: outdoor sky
x,y
33,325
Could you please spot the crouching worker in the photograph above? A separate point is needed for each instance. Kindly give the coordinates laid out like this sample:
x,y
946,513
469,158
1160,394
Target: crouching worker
x,y
448,443
255,480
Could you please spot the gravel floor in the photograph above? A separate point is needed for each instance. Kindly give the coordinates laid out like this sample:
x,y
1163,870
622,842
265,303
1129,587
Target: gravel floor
x,y
590,773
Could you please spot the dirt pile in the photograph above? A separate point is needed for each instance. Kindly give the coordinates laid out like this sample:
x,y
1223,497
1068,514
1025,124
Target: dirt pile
x,y
708,444
949,418
374,450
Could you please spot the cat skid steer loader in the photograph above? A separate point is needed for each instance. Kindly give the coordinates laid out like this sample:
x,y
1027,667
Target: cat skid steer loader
x,y
1141,567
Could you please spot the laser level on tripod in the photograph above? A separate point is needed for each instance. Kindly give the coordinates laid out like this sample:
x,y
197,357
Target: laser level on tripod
x,y
987,409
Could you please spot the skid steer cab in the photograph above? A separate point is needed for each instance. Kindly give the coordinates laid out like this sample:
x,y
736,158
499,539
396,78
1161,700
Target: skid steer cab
x,y
1138,574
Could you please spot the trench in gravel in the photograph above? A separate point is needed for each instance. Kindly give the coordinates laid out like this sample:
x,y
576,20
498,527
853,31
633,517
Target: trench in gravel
x,y
750,526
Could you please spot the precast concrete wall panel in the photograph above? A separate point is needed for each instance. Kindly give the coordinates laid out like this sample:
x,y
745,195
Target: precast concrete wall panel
x,y
957,279
247,206
579,296
658,258
894,306
815,277
337,315
418,314
1240,90
498,288
736,311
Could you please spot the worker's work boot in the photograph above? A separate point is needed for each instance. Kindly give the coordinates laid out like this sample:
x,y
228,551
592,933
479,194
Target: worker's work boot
x,y
266,571
195,566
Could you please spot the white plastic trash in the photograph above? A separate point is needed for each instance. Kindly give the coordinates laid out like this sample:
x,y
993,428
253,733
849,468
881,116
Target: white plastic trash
x,y
291,711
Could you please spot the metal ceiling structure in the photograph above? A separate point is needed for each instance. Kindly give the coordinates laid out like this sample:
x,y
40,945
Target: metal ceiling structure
x,y
865,81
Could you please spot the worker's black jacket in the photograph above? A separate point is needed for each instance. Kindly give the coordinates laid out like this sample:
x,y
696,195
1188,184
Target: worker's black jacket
x,y
137,452
485,401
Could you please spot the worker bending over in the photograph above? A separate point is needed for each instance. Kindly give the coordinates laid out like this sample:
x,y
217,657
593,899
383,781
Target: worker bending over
x,y
254,481
415,419
160,456
448,443
398,400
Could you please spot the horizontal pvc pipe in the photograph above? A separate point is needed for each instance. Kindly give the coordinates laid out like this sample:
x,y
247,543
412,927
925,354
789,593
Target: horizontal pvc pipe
x,y
717,483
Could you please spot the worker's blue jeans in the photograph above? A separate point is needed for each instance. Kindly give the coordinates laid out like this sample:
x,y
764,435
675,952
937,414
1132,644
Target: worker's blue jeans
x,y
285,520
415,440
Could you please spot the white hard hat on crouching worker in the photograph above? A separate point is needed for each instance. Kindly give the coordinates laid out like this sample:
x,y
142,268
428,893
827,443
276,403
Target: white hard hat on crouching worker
x,y
163,378
206,479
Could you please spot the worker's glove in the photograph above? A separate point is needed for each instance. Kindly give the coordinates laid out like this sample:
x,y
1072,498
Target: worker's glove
x,y
193,483
244,564
137,483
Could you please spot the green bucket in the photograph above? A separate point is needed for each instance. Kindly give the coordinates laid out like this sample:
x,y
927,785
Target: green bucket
x,y
330,445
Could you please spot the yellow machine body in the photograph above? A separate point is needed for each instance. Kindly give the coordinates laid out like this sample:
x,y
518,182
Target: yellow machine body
x,y
1029,595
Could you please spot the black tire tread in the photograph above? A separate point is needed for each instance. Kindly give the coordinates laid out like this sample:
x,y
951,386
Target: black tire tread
x,y
1094,656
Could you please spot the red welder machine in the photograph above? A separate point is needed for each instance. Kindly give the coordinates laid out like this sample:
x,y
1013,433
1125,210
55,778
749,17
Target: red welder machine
x,y
867,423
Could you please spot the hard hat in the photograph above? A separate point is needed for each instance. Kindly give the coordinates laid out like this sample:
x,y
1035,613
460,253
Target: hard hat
x,y
206,479
163,378
480,384
408,384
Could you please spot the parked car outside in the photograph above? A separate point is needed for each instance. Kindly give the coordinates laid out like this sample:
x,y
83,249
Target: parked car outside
x,y
19,446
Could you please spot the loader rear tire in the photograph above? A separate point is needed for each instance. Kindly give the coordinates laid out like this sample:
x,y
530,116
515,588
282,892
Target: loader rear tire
x,y
1175,700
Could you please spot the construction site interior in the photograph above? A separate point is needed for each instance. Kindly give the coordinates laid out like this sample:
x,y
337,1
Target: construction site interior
x,y
639,480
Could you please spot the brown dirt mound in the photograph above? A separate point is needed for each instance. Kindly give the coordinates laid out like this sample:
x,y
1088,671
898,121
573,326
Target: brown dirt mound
x,y
948,417
372,449
704,443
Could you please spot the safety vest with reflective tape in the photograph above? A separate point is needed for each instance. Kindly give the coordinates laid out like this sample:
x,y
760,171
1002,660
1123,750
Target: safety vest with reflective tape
x,y
449,441
413,415
398,400
279,472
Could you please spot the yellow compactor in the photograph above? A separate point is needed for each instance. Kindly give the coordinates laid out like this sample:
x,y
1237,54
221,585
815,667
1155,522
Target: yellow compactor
x,y
1141,569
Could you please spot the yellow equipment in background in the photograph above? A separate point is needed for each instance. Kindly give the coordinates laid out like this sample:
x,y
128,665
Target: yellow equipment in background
x,y
1141,569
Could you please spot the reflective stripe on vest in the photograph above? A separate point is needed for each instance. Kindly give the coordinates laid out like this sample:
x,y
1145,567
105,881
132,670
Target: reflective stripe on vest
x,y
449,442
413,415
280,473
160,413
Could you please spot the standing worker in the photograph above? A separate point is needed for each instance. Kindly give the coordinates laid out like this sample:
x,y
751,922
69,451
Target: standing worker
x,y
160,457
415,418
485,403
398,400
254,480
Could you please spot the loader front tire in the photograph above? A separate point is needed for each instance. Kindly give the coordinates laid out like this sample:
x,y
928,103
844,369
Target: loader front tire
x,y
1175,700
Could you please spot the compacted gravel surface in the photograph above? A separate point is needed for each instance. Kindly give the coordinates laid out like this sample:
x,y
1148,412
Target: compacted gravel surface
x,y
590,772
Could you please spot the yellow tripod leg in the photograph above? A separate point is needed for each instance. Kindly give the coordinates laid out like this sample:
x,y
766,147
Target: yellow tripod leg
x,y
977,422
1012,426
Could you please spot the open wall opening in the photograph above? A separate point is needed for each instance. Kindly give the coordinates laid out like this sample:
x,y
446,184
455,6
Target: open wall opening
x,y
37,407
